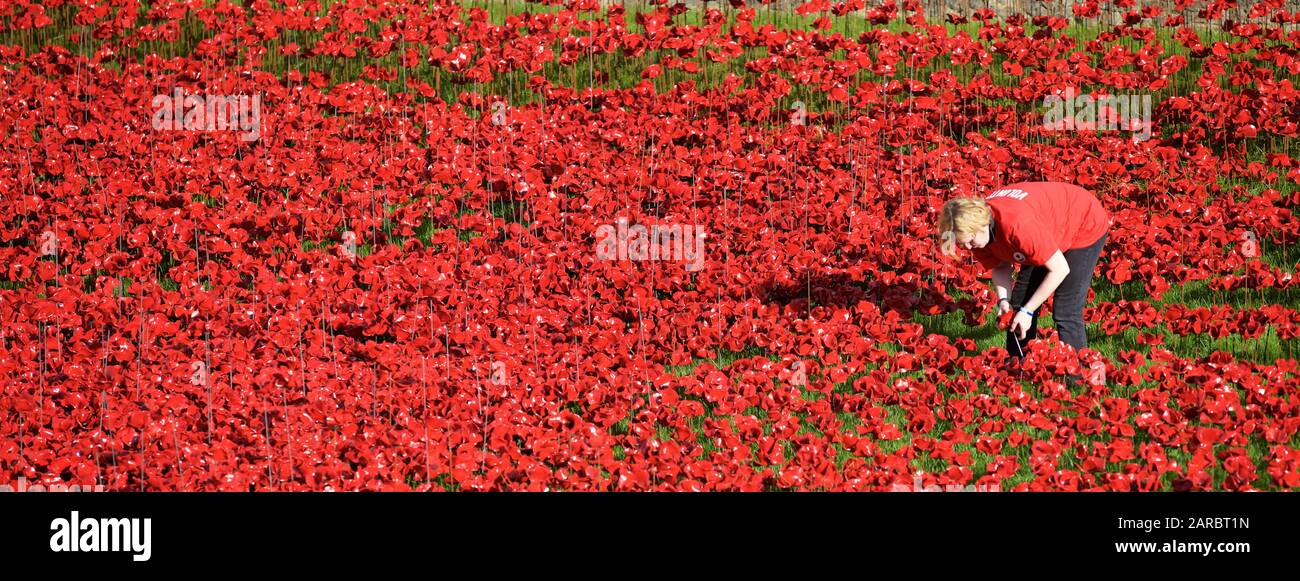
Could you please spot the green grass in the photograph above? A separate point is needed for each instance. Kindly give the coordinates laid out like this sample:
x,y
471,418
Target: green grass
x,y
1265,349
724,360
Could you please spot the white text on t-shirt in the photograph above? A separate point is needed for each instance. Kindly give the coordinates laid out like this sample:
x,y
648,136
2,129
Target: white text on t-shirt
x,y
1010,193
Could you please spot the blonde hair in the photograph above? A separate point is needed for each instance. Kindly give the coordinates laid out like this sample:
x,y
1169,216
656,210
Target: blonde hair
x,y
961,216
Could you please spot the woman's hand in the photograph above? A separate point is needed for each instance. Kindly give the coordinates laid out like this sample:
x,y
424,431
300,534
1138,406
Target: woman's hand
x,y
1021,324
1004,307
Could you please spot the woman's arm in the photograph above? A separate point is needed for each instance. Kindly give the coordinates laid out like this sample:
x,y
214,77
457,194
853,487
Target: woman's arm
x,y
1057,270
1002,280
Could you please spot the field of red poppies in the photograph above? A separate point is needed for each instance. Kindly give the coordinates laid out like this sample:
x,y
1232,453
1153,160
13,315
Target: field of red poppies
x,y
601,246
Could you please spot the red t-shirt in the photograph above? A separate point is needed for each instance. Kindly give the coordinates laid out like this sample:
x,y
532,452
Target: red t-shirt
x,y
1032,220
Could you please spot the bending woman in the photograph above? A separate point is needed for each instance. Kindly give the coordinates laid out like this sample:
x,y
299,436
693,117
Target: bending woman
x,y
1053,230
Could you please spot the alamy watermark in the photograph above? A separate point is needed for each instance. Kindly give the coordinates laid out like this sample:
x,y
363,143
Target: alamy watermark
x,y
916,486
49,244
194,112
24,487
93,535
1249,244
798,374
1103,113
350,244
657,242
949,244
1097,373
498,113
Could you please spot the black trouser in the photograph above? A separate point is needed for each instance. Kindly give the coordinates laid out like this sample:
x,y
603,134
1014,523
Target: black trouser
x,y
1067,301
